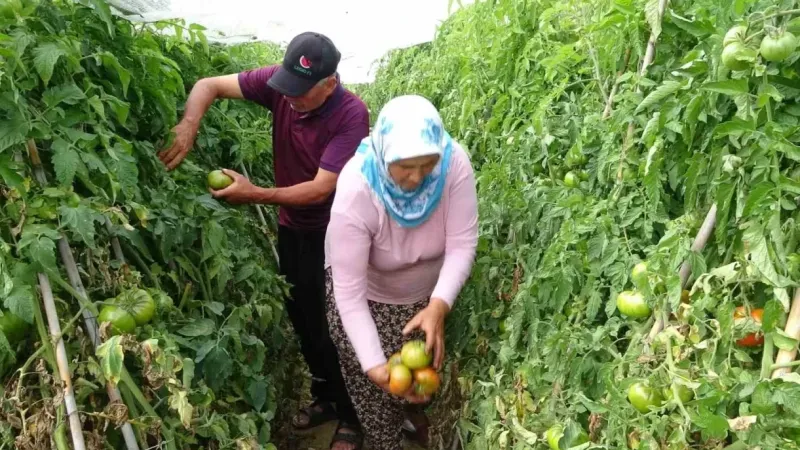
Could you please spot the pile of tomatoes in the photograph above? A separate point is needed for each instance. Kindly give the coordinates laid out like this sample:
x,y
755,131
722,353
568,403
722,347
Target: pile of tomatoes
x,y
411,369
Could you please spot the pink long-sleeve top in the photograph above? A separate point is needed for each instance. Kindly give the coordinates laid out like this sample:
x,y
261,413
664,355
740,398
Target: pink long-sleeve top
x,y
374,258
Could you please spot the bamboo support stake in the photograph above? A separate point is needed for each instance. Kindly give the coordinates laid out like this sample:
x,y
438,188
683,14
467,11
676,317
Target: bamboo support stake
x,y
649,56
610,101
75,280
62,361
262,218
792,330
700,241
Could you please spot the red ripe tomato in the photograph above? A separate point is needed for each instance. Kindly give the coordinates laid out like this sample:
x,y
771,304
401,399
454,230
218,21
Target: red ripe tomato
x,y
426,381
752,339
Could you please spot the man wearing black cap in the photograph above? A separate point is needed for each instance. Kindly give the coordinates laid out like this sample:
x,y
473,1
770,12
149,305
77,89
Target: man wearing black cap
x,y
317,126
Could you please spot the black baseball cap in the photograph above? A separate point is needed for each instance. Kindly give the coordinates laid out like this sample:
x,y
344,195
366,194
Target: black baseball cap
x,y
310,57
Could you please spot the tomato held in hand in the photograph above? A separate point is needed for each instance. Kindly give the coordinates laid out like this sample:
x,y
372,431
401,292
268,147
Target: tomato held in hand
x,y
415,356
642,397
752,339
218,180
395,360
399,379
121,321
426,381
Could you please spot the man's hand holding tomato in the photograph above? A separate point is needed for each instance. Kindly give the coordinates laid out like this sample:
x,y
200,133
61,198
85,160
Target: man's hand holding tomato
x,y
240,191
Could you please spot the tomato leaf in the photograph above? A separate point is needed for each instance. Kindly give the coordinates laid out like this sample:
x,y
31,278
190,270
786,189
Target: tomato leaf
x,y
80,221
201,327
21,302
773,311
70,94
179,402
257,394
762,400
188,372
7,355
45,58
9,175
653,15
13,130
784,341
665,90
111,359
787,394
727,87
758,254
217,367
65,161
712,425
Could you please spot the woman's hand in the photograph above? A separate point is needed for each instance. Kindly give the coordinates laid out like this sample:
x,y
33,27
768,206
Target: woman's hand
x,y
380,376
431,321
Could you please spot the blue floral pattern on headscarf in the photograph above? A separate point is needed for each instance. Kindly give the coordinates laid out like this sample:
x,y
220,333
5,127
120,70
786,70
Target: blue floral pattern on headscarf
x,y
407,127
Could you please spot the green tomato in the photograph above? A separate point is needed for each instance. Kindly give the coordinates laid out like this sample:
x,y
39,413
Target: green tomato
x,y
538,169
632,304
777,48
584,175
732,53
571,180
555,434
121,320
639,274
684,393
13,327
73,200
735,34
218,180
642,397
415,356
138,303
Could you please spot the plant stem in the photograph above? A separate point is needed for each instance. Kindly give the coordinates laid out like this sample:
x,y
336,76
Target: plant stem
x,y
788,12
766,358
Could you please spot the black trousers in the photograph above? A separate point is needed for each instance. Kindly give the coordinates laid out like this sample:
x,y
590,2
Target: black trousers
x,y
302,262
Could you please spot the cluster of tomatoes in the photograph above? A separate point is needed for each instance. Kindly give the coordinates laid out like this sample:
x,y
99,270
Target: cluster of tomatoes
x,y
738,52
411,368
128,310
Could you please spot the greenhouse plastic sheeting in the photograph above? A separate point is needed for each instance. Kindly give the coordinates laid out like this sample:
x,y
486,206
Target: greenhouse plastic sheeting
x,y
363,30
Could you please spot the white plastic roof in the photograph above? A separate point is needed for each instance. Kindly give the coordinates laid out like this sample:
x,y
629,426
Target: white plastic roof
x,y
363,30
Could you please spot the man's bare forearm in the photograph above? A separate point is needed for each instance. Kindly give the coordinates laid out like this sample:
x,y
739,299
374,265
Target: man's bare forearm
x,y
200,99
302,194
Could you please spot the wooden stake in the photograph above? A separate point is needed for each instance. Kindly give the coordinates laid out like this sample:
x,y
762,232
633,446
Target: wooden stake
x,y
793,331
698,245
75,426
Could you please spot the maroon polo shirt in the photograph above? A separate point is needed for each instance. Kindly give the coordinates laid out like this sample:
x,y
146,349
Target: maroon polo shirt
x,y
303,143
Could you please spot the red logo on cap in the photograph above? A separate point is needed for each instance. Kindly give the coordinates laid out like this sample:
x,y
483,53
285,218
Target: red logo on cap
x,y
305,63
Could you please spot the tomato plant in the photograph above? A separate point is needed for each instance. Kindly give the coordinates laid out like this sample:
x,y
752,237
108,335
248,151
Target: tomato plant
x,y
13,327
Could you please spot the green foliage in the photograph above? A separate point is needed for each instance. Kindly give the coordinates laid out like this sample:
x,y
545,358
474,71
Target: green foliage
x,y
523,85
96,96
